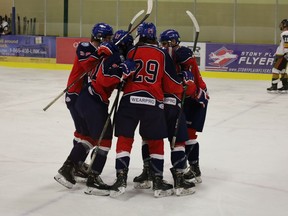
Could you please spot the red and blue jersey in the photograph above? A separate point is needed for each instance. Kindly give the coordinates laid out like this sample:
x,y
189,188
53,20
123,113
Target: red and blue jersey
x,y
155,73
85,61
108,76
184,60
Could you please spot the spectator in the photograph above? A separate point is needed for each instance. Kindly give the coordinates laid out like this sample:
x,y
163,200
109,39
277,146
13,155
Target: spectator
x,y
4,27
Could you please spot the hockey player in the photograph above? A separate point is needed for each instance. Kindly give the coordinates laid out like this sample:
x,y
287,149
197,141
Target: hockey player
x,y
142,102
195,107
280,61
171,102
86,60
92,106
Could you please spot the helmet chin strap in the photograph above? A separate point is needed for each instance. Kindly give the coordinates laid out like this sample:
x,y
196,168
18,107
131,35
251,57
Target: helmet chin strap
x,y
174,45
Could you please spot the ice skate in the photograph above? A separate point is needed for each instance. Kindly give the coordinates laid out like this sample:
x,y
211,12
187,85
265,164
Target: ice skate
x,y
161,188
95,186
193,173
181,186
80,173
65,175
283,90
273,89
120,184
144,180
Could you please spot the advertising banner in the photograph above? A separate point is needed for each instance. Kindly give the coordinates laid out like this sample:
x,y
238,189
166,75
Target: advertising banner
x,y
240,58
199,53
66,49
27,46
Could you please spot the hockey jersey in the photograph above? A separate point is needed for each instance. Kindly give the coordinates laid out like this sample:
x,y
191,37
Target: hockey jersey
x,y
184,60
154,75
283,46
85,62
108,76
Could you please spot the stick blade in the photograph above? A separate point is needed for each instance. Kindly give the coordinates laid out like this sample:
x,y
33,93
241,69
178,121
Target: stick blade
x,y
192,17
149,6
136,16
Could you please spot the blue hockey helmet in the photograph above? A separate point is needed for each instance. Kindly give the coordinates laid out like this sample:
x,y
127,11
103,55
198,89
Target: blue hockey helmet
x,y
169,35
147,30
101,30
127,41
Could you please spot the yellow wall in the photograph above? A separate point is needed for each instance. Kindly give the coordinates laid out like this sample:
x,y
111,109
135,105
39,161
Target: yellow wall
x,y
221,21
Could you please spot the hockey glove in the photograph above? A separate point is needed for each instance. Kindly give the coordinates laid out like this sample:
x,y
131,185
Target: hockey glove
x,y
128,67
107,49
188,77
202,97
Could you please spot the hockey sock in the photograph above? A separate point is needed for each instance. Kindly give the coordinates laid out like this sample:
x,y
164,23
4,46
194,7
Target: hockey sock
x,y
75,142
123,149
78,154
145,152
178,158
189,146
122,160
194,154
156,149
157,165
100,160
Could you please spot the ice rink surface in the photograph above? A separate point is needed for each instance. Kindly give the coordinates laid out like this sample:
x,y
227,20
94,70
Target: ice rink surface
x,y
243,154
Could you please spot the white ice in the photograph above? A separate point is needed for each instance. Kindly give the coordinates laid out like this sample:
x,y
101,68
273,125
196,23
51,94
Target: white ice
x,y
243,154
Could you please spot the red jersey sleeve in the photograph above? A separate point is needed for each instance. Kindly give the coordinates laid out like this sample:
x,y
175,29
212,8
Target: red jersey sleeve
x,y
184,57
86,59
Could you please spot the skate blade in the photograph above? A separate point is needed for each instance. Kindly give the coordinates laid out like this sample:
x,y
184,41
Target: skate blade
x,y
113,193
161,193
96,192
80,179
184,192
61,180
282,92
272,92
195,180
143,185
198,180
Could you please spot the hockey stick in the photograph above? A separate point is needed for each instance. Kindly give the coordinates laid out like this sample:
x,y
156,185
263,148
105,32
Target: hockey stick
x,y
119,88
148,12
64,91
176,128
115,103
192,17
134,18
197,28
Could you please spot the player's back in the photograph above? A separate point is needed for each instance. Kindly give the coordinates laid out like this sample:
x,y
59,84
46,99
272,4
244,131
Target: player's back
x,y
154,73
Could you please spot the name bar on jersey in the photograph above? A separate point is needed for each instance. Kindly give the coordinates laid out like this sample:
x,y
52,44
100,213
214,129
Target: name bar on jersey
x,y
170,101
142,100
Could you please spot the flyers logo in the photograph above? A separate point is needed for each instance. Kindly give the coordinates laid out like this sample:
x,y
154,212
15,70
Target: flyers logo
x,y
222,57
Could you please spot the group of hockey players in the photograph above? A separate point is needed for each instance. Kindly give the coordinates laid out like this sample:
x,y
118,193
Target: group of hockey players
x,y
279,70
163,93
